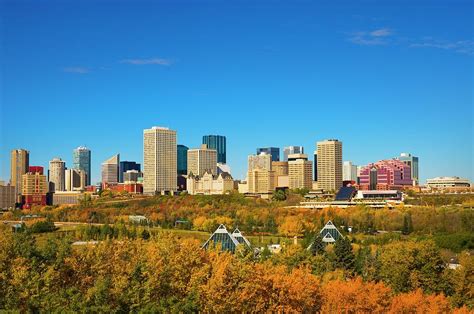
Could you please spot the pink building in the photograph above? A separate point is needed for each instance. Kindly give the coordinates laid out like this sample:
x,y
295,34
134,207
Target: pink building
x,y
385,175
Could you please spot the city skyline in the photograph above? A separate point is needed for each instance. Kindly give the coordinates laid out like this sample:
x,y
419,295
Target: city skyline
x,y
321,78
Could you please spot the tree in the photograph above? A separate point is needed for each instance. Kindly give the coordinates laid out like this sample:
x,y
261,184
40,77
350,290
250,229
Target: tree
x,y
407,224
344,254
318,246
145,234
279,195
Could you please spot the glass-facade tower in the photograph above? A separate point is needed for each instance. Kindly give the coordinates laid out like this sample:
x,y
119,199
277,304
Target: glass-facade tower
x,y
124,166
81,159
273,151
182,160
217,142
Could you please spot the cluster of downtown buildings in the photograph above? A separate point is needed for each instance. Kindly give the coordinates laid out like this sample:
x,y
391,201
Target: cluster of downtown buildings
x,y
169,168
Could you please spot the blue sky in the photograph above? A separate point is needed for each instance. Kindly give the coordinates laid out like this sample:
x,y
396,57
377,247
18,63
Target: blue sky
x,y
383,77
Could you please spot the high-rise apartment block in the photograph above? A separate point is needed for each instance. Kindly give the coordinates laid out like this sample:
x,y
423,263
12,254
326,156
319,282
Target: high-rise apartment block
x,y
81,159
56,174
349,171
124,166
291,150
300,172
274,152
159,161
19,163
260,161
7,196
110,170
182,160
202,160
34,189
329,163
217,142
411,161
75,180
385,175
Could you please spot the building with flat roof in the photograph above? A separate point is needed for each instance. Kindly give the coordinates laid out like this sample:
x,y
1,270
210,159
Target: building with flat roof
x,y
260,161
412,162
19,164
446,183
124,166
261,181
81,159
159,161
329,165
300,172
291,150
219,144
7,196
349,171
202,160
75,180
389,174
34,189
274,152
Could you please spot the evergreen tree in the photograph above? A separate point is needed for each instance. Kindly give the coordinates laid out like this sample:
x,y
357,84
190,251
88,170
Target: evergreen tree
x,y
407,224
317,247
344,256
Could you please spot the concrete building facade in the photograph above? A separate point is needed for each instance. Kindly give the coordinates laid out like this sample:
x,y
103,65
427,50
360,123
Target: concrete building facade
x,y
110,170
56,174
329,164
75,180
300,172
291,150
349,171
159,161
19,164
202,160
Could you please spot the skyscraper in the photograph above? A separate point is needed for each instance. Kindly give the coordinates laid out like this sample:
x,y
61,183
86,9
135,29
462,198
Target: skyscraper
x,y
110,170
329,165
201,160
75,179
217,142
124,166
291,150
411,161
272,151
19,163
159,160
56,174
182,160
349,171
81,159
300,172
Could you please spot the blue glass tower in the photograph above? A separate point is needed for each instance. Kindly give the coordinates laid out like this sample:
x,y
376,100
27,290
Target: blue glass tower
x,y
182,160
217,142
274,151
81,159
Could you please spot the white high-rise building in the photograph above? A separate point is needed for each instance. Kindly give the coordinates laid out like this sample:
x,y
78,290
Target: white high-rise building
x,y
300,171
291,150
110,170
159,161
76,179
56,174
201,160
329,165
349,171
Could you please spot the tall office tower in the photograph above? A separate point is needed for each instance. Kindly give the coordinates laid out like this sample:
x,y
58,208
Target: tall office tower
x,y
182,160
81,159
124,166
19,163
300,172
159,161
260,161
411,161
201,160
110,170
217,142
57,167
75,180
349,171
33,189
315,166
291,150
329,165
273,151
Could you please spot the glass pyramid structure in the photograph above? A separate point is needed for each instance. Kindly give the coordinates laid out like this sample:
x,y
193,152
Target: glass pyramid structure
x,y
226,240
330,233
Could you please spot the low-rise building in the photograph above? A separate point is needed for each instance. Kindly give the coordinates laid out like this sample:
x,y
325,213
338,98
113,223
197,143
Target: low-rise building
x,y
7,196
446,183
67,198
209,184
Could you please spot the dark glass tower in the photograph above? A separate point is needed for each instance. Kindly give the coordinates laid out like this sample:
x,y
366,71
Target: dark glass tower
x,y
274,151
81,159
124,166
217,142
182,160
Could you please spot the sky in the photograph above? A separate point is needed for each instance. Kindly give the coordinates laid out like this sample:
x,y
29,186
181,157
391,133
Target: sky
x,y
383,77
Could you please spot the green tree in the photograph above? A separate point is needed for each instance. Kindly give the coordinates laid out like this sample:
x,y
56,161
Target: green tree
x,y
344,255
318,246
407,224
279,195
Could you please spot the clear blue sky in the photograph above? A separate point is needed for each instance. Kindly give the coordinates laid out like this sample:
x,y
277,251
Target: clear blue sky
x,y
383,77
